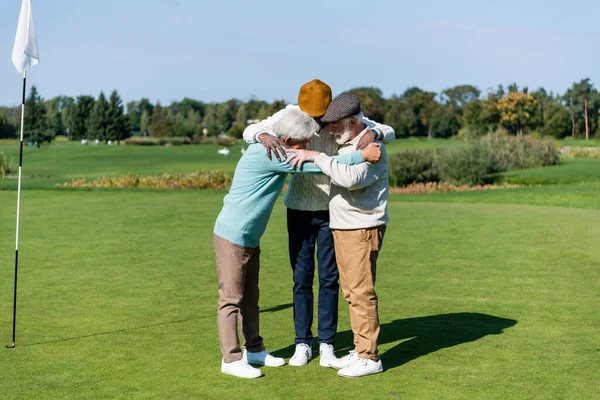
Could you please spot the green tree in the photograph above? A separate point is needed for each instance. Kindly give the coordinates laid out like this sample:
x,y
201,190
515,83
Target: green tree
x,y
253,108
224,116
159,125
194,105
145,123
98,122
54,114
372,103
444,123
263,112
583,102
275,106
401,117
241,115
423,105
80,116
117,128
558,122
7,130
237,129
544,100
134,115
458,96
67,112
473,118
36,125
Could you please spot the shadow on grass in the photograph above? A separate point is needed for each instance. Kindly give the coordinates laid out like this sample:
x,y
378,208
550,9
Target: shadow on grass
x,y
118,331
266,310
423,335
277,308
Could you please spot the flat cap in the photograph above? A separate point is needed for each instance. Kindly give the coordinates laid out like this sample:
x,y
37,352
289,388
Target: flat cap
x,y
345,105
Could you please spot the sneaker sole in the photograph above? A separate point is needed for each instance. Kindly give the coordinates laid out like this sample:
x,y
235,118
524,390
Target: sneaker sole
x,y
328,365
243,377
360,376
275,365
299,365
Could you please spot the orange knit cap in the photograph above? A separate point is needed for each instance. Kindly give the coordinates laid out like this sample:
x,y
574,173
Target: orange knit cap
x,y
314,98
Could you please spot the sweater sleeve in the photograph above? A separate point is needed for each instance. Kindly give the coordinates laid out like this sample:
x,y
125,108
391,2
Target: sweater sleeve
x,y
265,126
385,133
353,158
352,177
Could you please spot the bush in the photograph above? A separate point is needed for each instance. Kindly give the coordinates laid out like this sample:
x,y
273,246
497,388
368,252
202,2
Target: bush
x,y
5,167
411,166
581,152
219,140
236,131
465,165
509,152
156,141
472,163
195,180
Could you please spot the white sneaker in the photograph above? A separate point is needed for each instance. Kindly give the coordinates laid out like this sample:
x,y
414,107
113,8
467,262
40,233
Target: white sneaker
x,y
301,356
263,358
345,361
361,367
241,369
327,356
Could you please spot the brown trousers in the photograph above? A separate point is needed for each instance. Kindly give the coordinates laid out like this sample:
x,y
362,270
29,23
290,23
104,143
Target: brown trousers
x,y
356,252
237,272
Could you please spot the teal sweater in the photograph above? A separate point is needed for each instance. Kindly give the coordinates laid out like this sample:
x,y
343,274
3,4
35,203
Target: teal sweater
x,y
257,183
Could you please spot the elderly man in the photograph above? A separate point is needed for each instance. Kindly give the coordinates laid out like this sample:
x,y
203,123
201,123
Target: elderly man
x,y
358,208
257,183
308,222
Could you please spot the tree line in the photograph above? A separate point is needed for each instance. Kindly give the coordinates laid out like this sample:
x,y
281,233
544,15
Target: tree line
x,y
461,110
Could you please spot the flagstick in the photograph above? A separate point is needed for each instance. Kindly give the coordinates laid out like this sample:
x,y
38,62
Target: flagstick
x,y
13,345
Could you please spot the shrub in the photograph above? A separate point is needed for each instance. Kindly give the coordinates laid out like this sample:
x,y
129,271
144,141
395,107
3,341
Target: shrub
x,y
219,140
5,166
509,152
581,152
195,180
411,166
465,165
472,163
156,141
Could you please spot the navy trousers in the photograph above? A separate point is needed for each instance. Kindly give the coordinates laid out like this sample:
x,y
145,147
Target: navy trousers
x,y
307,229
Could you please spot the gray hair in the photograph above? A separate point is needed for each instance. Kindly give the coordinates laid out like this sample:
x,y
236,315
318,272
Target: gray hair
x,y
296,124
357,118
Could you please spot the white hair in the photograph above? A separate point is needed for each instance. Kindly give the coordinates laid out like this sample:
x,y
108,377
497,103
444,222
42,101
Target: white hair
x,y
295,124
346,121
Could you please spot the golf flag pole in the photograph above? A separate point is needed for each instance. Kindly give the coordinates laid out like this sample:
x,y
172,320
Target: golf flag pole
x,y
25,55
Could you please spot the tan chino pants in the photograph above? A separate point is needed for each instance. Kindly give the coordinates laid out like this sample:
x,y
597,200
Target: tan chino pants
x,y
356,252
237,271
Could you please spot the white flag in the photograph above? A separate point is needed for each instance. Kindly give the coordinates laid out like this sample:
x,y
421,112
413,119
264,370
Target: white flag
x,y
25,53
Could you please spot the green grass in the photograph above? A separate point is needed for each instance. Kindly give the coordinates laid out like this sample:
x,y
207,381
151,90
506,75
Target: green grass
x,y
580,142
422,143
483,295
583,195
61,162
118,298
571,170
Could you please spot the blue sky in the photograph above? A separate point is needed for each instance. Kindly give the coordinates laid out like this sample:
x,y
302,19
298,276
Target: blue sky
x,y
212,51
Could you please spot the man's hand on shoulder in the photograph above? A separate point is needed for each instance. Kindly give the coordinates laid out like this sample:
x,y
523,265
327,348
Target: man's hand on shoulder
x,y
299,157
371,153
273,144
366,139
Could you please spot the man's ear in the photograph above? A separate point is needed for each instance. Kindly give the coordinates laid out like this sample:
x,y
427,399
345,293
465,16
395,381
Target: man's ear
x,y
287,141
